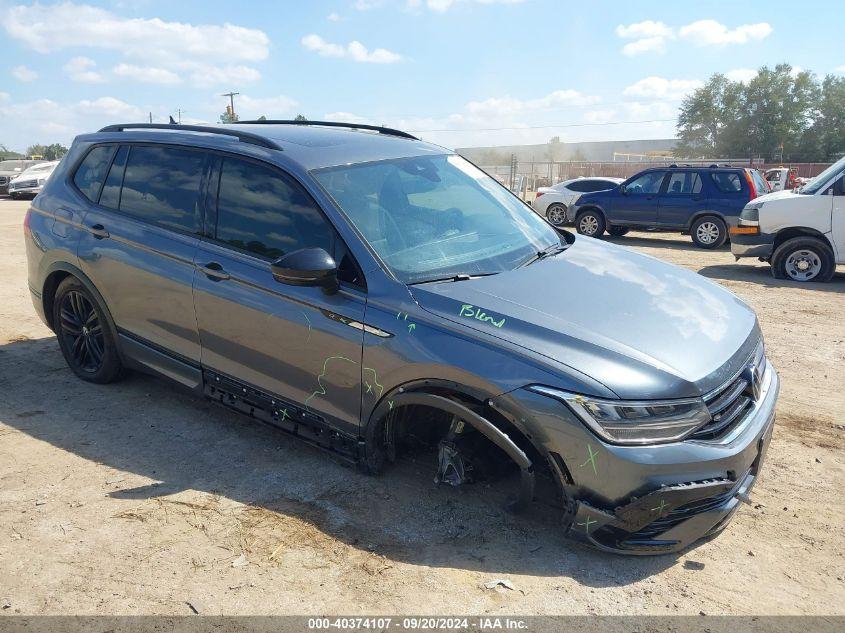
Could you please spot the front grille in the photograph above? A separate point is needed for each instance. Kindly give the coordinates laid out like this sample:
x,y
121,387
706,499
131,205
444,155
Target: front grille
x,y
3,180
730,404
25,184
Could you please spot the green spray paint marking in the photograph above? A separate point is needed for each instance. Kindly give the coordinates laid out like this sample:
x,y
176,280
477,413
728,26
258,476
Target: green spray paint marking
x,y
471,312
659,509
591,459
322,390
587,523
378,385
309,326
411,326
390,405
285,415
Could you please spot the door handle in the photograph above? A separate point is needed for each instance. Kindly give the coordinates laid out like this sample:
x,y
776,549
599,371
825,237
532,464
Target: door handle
x,y
215,272
98,231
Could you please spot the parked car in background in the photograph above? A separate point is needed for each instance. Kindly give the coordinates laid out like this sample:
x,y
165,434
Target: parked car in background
x,y
31,180
13,168
781,178
553,203
701,201
377,295
800,233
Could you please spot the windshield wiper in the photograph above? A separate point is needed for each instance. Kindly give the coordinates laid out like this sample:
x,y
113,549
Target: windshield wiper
x,y
552,249
455,277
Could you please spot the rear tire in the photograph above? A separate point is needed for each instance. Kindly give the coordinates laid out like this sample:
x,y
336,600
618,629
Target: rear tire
x,y
556,214
590,223
803,259
618,231
709,232
85,337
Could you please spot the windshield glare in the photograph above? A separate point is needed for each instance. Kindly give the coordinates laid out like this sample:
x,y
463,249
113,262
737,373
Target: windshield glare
x,y
823,178
432,217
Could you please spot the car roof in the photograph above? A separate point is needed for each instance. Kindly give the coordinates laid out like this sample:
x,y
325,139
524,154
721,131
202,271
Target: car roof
x,y
312,146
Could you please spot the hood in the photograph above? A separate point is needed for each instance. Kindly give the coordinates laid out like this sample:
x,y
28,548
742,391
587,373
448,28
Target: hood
x,y
776,195
643,328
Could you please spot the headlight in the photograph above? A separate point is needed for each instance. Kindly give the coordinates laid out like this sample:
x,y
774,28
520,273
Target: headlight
x,y
41,181
751,212
635,422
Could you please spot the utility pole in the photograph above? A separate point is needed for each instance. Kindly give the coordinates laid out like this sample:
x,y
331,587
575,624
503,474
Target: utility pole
x,y
231,96
179,115
151,117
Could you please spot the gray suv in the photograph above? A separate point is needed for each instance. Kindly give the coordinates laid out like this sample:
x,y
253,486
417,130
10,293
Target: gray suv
x,y
12,168
377,295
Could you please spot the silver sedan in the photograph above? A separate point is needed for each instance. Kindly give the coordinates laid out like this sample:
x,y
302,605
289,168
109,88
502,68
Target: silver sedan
x,y
553,203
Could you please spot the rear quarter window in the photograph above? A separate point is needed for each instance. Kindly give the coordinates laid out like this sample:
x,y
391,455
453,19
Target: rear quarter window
x,y
91,172
727,182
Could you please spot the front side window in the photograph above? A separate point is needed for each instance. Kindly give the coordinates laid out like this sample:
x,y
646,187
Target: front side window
x,y
92,170
820,182
646,184
162,185
264,213
435,216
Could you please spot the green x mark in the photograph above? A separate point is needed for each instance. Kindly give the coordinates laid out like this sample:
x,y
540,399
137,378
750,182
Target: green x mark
x,y
369,387
659,509
390,405
591,459
587,523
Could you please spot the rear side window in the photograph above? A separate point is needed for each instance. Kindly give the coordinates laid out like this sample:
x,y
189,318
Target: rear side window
x,y
684,183
92,170
110,197
727,182
262,212
579,186
162,185
759,182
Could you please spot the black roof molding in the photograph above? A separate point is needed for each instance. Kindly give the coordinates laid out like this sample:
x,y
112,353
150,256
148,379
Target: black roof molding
x,y
389,131
245,137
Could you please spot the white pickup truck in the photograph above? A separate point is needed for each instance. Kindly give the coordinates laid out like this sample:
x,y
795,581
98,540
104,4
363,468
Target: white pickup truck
x,y
800,233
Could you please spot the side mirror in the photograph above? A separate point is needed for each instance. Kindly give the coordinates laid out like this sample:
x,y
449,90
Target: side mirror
x,y
623,190
307,267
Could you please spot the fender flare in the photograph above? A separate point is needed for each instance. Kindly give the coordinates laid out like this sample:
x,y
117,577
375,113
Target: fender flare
x,y
374,457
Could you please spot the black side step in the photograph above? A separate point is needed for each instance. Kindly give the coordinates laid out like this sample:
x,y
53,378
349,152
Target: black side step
x,y
279,413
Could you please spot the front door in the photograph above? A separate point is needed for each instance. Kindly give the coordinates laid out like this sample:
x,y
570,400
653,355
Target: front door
x,y
295,343
637,202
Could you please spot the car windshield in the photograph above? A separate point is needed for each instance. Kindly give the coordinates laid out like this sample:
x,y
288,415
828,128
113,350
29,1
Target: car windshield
x,y
437,216
822,179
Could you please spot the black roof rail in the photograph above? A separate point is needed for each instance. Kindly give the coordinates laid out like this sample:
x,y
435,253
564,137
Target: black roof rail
x,y
245,137
389,131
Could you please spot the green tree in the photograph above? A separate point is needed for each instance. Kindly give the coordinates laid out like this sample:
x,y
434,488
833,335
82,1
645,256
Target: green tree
x,y
825,139
262,118
707,116
300,117
554,149
47,152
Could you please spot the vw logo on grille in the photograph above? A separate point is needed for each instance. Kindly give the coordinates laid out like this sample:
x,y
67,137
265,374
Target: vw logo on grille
x,y
754,376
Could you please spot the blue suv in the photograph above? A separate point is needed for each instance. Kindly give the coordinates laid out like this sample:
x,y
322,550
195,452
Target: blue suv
x,y
701,201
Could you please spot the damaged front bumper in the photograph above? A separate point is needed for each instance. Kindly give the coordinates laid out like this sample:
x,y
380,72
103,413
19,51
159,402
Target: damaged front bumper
x,y
653,499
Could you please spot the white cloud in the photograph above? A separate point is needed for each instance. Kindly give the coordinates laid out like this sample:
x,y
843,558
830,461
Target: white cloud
x,y
839,69
713,33
146,74
4,97
111,107
742,75
355,51
497,107
441,6
648,37
81,69
333,17
23,73
207,53
662,88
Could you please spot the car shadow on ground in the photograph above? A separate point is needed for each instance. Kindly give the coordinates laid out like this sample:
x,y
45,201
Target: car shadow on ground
x,y
762,274
679,243
151,428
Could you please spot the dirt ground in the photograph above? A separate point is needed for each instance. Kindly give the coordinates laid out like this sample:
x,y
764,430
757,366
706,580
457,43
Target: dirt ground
x,y
135,498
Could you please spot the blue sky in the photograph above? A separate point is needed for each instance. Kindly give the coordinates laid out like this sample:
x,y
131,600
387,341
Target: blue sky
x,y
458,72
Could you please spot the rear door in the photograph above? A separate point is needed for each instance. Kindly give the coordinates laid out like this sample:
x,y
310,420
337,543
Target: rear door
x,y
296,343
682,198
139,244
729,192
638,203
